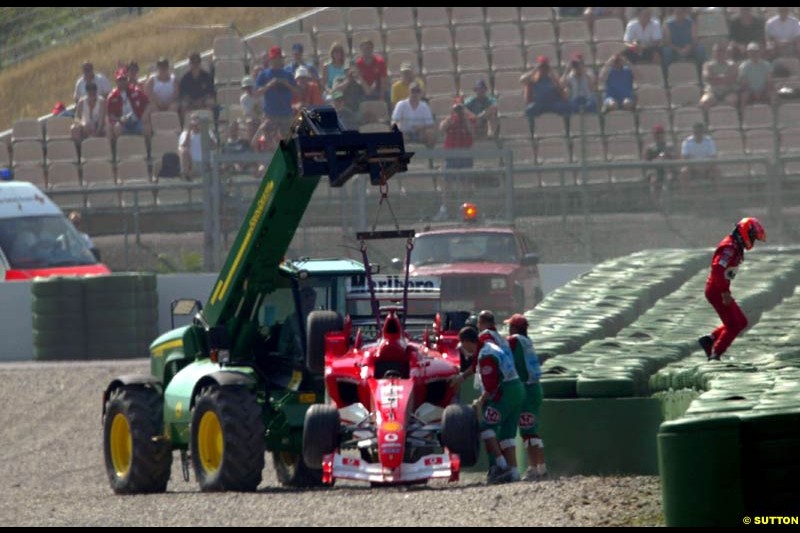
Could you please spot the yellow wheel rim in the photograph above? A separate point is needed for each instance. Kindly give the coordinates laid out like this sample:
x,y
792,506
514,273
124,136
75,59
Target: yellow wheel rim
x,y
121,443
209,442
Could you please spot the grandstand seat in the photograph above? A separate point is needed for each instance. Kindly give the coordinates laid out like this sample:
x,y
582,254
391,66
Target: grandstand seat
x,y
548,125
360,36
329,19
510,104
62,151
507,58
757,116
26,129
326,39
467,81
59,128
619,121
261,44
397,17
228,47
538,32
515,127
553,151
401,39
650,117
684,95
96,148
535,13
649,74
604,50
99,174
654,96
684,118
497,14
440,84
473,60
170,121
569,49
363,18
440,106
131,147
374,111
759,142
469,37
436,37
226,96
504,83
466,15
432,16
790,141
163,143
789,115
729,143
63,175
607,29
374,127
573,30
723,117
623,148
791,65
135,173
28,153
228,73
32,173
682,74
591,124
595,153
504,35
5,157
398,57
542,49
439,61
710,24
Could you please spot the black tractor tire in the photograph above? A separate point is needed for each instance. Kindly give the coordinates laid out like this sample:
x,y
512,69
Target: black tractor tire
x,y
321,430
143,464
319,323
233,416
460,433
292,471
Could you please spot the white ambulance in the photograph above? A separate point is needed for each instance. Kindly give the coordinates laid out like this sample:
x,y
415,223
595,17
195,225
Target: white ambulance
x,y
36,239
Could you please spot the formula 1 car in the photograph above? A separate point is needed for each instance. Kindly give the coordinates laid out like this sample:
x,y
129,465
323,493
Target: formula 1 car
x,y
393,417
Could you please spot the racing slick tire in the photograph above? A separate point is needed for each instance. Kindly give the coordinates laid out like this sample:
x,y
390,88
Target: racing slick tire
x,y
460,433
320,434
319,323
227,439
136,461
292,471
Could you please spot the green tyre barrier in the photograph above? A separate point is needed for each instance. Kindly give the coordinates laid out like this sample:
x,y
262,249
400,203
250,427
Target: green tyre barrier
x,y
64,352
700,465
57,287
113,283
605,387
66,323
561,387
57,306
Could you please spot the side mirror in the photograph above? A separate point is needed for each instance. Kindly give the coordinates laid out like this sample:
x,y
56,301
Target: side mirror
x,y
530,259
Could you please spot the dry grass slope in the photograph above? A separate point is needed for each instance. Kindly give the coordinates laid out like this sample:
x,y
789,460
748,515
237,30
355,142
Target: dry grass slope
x,y
30,88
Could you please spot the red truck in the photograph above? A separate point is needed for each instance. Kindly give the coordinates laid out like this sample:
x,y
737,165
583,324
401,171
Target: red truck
x,y
482,266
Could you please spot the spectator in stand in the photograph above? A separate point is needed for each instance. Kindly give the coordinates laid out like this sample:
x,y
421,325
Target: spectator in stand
x,y
75,219
699,146
458,129
372,67
298,61
126,109
90,115
265,140
103,85
162,88
335,67
196,89
580,86
235,144
719,79
400,87
247,100
414,118
543,91
190,147
346,116
661,178
133,75
643,38
755,79
783,35
278,87
680,40
308,93
745,29
484,107
618,76
352,90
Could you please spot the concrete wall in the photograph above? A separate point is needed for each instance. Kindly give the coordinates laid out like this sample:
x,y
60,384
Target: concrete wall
x,y
16,330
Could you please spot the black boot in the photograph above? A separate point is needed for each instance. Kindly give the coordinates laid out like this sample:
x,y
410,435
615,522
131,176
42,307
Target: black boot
x,y
707,343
